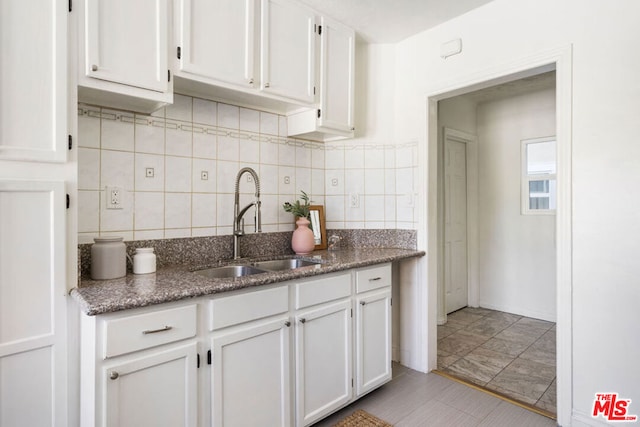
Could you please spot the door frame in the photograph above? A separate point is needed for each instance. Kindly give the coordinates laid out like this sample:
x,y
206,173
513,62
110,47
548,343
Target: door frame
x,y
471,143
560,59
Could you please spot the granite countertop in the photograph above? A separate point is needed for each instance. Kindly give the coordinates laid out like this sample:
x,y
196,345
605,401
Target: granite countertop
x,y
173,283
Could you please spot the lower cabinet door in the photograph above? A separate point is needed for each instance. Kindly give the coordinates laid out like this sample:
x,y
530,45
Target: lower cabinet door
x,y
251,376
373,340
155,390
323,361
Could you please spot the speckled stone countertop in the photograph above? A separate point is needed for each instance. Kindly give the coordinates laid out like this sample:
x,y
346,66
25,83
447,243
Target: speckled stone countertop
x,y
173,283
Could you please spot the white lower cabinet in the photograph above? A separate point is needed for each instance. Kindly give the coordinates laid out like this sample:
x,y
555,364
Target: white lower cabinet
x,y
281,355
159,389
139,367
323,361
373,327
250,375
373,340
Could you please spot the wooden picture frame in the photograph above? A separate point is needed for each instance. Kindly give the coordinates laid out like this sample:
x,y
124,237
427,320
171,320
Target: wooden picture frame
x,y
318,226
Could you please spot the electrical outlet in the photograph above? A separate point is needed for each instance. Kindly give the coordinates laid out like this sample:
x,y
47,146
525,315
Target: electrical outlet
x,y
287,180
334,182
249,178
150,172
114,197
354,200
204,175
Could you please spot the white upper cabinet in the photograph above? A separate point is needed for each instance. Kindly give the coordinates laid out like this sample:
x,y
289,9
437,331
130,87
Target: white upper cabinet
x,y
33,81
124,51
337,46
216,40
334,117
287,50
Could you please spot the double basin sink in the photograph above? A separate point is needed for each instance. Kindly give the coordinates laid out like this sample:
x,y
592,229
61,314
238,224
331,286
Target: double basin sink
x,y
257,267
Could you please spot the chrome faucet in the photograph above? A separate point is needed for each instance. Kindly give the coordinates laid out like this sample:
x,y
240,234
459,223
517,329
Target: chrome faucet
x,y
238,221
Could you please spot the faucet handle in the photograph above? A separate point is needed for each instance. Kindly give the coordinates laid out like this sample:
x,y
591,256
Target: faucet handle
x,y
333,242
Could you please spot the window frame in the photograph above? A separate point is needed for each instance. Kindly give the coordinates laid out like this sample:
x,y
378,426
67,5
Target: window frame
x,y
525,178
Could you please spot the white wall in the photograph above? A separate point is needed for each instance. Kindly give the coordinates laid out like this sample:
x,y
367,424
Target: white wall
x,y
605,153
517,263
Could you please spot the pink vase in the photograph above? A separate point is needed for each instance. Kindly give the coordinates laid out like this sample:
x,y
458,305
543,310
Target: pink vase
x,y
302,241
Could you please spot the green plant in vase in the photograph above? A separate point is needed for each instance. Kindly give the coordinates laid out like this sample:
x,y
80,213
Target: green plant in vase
x,y
299,210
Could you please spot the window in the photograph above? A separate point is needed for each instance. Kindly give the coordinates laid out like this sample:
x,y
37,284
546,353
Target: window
x,y
539,176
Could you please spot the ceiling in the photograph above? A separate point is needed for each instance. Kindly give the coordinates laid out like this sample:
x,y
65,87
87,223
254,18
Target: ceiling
x,y
514,88
390,21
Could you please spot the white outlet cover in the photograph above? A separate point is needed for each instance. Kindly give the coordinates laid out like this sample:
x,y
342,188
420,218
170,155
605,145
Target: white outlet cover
x,y
114,197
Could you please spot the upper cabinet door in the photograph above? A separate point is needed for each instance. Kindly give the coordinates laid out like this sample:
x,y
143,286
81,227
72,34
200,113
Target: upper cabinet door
x,y
33,81
215,39
127,42
337,47
287,53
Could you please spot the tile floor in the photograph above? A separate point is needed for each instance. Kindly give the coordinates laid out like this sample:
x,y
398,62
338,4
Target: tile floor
x,y
510,354
414,399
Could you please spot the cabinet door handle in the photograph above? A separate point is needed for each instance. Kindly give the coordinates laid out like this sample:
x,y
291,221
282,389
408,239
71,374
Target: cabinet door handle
x,y
363,302
287,323
303,320
251,81
266,84
94,67
114,375
155,331
373,279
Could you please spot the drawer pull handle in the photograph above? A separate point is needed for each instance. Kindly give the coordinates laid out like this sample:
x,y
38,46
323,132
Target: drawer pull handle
x,y
114,375
375,278
363,302
303,320
287,323
155,331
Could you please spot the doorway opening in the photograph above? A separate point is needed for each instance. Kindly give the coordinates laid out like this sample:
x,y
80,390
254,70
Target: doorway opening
x,y
433,302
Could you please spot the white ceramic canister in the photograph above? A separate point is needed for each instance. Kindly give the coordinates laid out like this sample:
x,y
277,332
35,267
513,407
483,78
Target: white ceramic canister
x,y
108,258
144,261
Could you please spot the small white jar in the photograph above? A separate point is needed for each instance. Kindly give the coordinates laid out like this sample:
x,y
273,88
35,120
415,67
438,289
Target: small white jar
x,y
144,261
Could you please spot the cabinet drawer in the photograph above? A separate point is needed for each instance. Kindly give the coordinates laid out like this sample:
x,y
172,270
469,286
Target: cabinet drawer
x,y
371,278
253,305
133,333
322,290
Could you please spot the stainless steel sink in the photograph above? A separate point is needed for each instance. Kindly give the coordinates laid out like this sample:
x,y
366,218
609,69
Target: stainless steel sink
x,y
284,264
230,271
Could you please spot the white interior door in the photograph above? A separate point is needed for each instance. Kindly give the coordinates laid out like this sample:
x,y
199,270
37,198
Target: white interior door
x,y
455,225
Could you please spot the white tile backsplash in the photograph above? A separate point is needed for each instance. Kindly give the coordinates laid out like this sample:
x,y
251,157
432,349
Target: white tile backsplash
x,y
88,168
228,116
197,135
177,210
205,144
154,164
249,120
181,109
178,139
89,127
149,211
117,130
249,151
208,167
178,174
116,169
204,210
205,112
149,135
268,123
